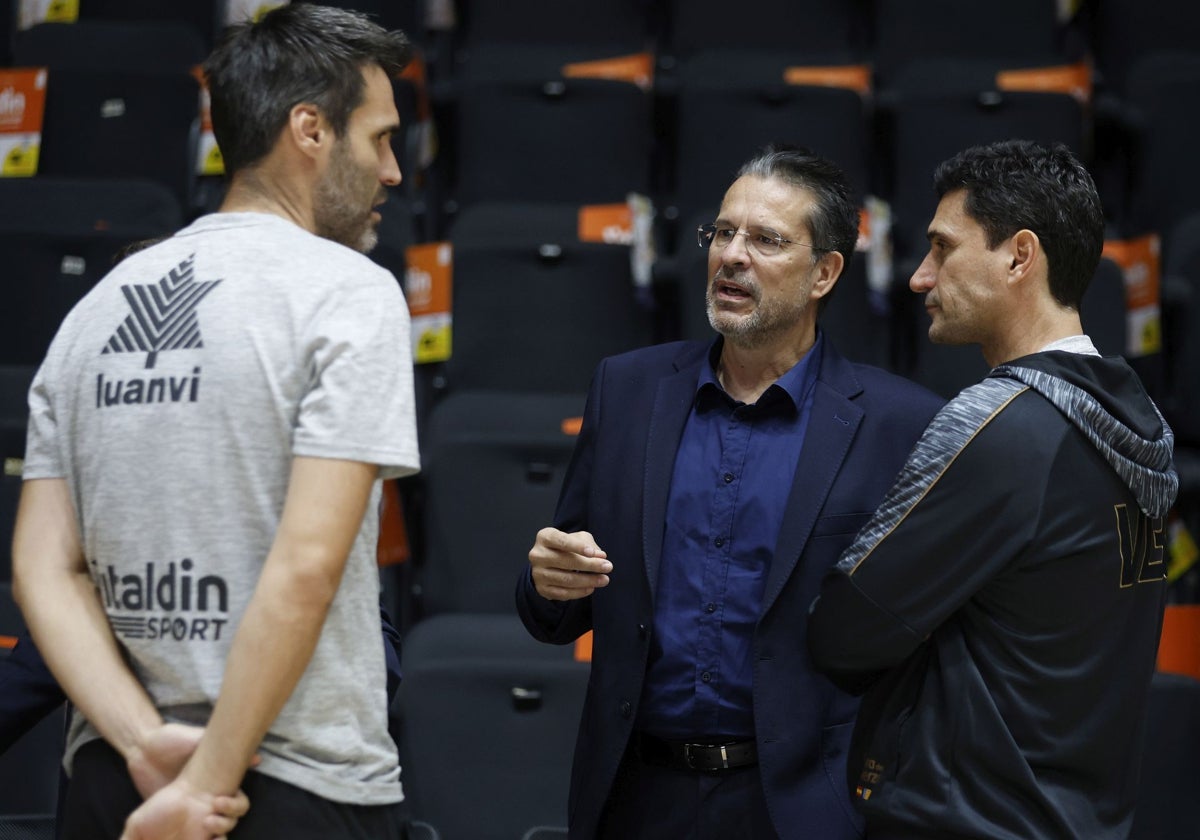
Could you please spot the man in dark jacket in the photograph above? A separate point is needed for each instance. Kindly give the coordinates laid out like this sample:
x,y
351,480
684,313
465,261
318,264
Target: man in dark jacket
x,y
712,486
1002,608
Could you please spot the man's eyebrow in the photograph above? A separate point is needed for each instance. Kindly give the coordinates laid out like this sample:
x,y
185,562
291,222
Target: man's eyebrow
x,y
726,223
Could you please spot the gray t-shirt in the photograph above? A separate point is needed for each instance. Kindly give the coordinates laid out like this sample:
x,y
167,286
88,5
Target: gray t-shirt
x,y
173,400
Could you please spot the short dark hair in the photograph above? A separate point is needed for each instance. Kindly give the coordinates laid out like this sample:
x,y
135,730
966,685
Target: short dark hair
x,y
301,52
1018,184
834,221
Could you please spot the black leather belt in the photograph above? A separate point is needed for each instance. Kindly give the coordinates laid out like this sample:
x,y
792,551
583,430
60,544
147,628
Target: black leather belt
x,y
685,755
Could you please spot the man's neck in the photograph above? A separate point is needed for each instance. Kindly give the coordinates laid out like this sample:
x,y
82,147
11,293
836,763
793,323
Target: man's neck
x,y
746,372
253,191
1032,332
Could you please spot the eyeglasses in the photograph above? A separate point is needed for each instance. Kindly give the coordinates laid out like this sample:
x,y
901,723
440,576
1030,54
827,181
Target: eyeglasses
x,y
765,243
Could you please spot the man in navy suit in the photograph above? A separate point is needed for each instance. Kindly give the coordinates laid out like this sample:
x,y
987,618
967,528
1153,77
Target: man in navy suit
x,y
712,486
28,691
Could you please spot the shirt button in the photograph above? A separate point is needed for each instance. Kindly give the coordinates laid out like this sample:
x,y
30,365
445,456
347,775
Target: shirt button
x,y
706,677
710,608
626,708
718,542
728,477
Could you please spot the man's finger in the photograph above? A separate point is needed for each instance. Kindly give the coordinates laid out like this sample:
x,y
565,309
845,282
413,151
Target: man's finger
x,y
566,585
558,593
218,825
578,542
231,806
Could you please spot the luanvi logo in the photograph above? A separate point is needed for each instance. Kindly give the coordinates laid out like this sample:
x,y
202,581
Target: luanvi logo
x,y
156,389
164,314
169,603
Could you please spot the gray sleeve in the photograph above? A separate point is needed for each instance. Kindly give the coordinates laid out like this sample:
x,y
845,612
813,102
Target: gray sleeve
x,y
360,404
43,454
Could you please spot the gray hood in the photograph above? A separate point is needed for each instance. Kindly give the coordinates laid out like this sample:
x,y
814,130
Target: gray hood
x,y
1105,400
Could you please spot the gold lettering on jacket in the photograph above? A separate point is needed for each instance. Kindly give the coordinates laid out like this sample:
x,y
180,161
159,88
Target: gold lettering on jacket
x,y
1140,542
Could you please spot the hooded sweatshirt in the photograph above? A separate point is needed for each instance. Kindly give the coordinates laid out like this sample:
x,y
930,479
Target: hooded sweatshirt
x,y
1002,609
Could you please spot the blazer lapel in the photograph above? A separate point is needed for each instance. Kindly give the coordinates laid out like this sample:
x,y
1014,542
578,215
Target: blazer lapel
x,y
672,405
832,425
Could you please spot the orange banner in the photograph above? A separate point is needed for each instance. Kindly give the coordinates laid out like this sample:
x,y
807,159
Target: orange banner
x,y
864,230
1141,264
1074,79
208,155
428,283
22,99
855,77
637,69
392,547
414,72
1179,648
611,223
583,647
1141,261
22,107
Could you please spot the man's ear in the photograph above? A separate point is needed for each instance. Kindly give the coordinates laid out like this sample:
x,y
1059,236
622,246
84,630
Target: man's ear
x,y
1025,253
829,269
307,128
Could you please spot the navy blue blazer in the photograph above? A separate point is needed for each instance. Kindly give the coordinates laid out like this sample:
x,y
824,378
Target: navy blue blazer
x,y
864,421
28,691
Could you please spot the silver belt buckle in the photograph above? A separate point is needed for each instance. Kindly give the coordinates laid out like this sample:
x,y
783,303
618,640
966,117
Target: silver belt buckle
x,y
724,758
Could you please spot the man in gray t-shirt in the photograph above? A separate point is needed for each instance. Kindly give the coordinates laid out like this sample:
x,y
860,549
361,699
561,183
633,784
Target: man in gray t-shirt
x,y
193,552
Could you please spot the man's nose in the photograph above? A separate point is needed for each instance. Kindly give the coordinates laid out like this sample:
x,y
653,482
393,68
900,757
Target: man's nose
x,y
923,278
389,173
737,251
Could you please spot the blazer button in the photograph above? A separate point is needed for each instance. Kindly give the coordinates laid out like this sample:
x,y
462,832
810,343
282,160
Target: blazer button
x,y
626,709
643,632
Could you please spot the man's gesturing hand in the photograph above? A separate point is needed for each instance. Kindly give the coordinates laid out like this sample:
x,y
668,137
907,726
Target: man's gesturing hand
x,y
567,566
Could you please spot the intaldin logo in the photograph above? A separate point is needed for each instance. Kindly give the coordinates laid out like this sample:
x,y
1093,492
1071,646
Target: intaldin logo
x,y
164,601
164,314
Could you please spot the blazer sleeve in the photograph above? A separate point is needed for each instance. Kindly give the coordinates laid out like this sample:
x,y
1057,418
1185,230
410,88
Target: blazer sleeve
x,y
28,691
562,622
391,653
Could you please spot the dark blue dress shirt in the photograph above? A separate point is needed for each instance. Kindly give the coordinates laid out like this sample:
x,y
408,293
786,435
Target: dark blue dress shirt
x,y
733,473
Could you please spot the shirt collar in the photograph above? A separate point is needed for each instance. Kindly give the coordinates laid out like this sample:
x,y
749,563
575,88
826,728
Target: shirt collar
x,y
1080,344
796,384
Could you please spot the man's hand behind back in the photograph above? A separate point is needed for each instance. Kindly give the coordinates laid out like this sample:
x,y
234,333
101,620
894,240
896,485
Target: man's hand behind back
x,y
180,812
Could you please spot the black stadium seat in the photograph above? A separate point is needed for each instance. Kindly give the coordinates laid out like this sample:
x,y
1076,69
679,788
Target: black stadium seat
x,y
490,721
806,30
1026,32
112,46
58,237
536,308
494,462
757,107
204,16
526,131
102,124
